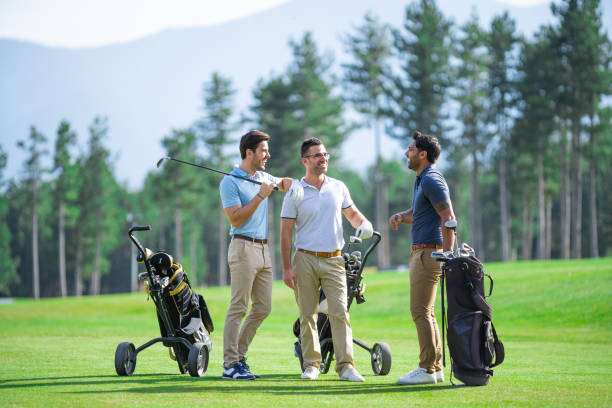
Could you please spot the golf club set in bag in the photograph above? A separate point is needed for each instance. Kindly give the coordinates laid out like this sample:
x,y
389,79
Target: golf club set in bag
x,y
472,340
184,320
380,353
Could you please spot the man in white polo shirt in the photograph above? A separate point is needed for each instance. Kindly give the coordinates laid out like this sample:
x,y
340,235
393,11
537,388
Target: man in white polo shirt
x,y
318,261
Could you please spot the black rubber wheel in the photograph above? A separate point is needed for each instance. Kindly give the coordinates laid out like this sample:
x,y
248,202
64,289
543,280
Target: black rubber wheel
x,y
297,350
198,360
381,358
125,359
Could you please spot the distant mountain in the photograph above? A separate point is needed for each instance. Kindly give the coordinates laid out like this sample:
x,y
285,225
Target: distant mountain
x,y
149,86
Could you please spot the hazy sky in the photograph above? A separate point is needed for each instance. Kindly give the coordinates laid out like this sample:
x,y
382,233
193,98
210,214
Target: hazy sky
x,y
92,23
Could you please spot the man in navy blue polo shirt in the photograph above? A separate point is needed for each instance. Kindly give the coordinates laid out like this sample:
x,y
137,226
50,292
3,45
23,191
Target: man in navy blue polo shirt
x,y
431,208
249,258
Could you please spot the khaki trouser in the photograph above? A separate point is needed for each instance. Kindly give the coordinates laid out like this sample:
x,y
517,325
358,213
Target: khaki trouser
x,y
328,273
424,276
251,277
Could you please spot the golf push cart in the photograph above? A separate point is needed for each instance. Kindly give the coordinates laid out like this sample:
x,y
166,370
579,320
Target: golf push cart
x,y
183,317
380,353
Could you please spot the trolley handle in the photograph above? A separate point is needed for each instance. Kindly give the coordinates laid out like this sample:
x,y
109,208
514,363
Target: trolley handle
x,y
137,243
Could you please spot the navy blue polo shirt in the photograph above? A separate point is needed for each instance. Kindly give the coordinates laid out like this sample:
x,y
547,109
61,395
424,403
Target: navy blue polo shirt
x,y
429,188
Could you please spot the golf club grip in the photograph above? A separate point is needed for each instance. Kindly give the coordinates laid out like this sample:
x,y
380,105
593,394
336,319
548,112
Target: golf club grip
x,y
140,228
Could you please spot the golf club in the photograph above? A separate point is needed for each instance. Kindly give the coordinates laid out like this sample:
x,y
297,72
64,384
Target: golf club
x,y
160,161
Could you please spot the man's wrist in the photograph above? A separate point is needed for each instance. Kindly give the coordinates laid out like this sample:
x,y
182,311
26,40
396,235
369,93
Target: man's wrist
x,y
260,196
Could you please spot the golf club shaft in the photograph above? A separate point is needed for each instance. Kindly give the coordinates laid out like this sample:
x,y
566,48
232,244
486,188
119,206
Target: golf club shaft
x,y
218,171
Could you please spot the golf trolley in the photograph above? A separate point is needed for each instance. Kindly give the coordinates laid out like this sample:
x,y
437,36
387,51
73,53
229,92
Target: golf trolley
x,y
380,353
183,317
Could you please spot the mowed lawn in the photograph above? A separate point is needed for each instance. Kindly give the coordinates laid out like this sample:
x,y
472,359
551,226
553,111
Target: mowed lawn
x,y
553,317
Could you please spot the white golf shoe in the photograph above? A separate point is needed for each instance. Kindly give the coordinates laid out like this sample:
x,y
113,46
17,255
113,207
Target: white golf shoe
x,y
417,376
439,376
310,373
350,374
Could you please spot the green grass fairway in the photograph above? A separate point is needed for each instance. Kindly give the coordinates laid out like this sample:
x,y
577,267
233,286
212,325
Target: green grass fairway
x,y
555,319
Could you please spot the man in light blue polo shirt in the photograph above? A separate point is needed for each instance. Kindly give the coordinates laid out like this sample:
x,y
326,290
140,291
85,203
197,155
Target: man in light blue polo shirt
x,y
318,263
246,207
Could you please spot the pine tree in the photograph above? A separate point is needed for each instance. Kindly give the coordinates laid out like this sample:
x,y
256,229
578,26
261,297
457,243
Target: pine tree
x,y
8,264
214,130
419,91
33,173
370,48
472,95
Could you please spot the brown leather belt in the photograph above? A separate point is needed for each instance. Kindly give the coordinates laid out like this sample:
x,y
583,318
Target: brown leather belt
x,y
421,246
246,238
322,254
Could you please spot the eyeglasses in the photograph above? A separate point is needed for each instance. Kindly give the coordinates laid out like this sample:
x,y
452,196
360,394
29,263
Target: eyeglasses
x,y
318,155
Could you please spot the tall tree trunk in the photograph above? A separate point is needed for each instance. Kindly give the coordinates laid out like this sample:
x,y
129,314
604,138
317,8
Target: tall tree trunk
x,y
35,263
548,246
222,250
526,229
541,206
593,241
94,284
78,279
476,217
565,197
193,262
504,226
62,250
382,210
178,234
576,190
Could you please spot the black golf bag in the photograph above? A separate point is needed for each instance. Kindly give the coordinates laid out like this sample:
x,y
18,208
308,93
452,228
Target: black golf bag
x,y
471,337
182,314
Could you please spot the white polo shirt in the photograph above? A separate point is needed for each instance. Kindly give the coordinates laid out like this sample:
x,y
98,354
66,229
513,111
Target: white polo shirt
x,y
318,217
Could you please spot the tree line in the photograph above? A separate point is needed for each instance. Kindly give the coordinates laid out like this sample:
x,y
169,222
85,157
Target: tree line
x,y
524,124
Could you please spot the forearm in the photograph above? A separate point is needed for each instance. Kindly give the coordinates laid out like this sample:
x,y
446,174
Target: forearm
x,y
286,241
406,216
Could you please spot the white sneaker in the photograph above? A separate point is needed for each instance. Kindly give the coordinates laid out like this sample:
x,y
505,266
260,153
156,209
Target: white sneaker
x,y
350,374
310,373
417,376
439,376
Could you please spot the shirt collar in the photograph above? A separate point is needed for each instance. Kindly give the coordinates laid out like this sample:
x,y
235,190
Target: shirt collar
x,y
238,171
305,184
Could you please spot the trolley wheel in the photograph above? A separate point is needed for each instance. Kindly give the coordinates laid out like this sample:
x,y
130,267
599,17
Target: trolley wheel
x,y
297,350
381,358
125,359
197,361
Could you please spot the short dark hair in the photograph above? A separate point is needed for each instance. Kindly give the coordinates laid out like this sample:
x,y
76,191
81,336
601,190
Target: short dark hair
x,y
250,141
429,144
308,143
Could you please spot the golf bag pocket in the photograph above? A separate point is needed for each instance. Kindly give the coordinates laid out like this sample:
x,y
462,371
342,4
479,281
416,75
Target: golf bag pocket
x,y
465,340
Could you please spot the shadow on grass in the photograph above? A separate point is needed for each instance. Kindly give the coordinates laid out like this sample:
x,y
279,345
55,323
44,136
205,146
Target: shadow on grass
x,y
276,384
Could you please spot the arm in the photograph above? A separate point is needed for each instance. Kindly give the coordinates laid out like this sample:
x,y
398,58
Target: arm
x,y
285,184
445,211
404,217
289,277
354,216
238,214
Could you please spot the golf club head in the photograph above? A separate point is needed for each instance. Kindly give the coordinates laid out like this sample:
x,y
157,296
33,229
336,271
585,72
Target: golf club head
x,y
355,240
160,161
438,255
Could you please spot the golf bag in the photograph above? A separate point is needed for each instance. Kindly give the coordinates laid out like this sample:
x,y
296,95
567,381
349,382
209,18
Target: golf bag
x,y
182,314
472,340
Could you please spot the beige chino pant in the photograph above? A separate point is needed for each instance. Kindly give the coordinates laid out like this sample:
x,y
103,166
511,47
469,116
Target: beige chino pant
x,y
328,273
251,278
425,274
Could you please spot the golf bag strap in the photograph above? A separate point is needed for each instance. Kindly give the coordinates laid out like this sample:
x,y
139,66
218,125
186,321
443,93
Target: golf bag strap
x,y
491,286
500,353
477,298
443,318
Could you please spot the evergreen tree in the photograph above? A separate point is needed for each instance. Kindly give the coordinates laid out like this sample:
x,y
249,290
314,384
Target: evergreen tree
x,y
370,48
472,95
214,130
32,179
419,91
8,264
501,43
65,191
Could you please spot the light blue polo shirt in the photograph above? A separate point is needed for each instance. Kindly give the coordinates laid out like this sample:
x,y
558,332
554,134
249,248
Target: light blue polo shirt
x,y
235,191
318,217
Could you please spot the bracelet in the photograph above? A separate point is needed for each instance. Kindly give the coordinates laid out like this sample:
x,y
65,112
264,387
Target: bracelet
x,y
260,196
